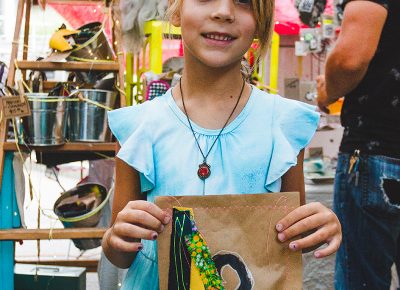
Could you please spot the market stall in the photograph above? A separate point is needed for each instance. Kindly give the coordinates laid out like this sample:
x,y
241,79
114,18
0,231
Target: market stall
x,y
67,119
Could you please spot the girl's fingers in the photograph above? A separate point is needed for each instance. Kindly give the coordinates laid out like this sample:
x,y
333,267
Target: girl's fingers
x,y
302,226
298,214
319,237
132,232
123,245
332,247
143,218
150,208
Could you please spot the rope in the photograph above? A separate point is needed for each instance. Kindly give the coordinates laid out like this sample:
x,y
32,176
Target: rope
x,y
55,100
23,82
31,189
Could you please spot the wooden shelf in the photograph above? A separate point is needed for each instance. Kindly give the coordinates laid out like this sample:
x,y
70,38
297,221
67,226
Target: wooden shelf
x,y
55,234
86,147
68,66
73,1
90,265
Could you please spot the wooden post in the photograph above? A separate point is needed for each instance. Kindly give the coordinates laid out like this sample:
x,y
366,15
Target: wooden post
x,y
10,81
26,34
15,43
117,44
3,136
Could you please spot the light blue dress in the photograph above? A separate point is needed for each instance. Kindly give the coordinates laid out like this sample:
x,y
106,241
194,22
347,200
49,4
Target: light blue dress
x,y
251,155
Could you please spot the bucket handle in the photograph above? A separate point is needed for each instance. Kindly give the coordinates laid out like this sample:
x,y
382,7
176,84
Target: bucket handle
x,y
89,214
80,97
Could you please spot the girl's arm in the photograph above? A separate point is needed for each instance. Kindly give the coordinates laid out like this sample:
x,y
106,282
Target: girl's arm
x,y
311,217
293,180
133,218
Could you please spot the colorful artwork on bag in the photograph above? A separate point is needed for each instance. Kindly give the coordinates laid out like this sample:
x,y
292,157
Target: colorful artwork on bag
x,y
227,242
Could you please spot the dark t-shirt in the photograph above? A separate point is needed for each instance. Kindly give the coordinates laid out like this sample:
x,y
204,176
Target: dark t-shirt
x,y
371,112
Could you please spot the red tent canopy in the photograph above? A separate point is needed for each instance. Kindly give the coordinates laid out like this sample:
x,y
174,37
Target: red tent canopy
x,y
79,14
287,20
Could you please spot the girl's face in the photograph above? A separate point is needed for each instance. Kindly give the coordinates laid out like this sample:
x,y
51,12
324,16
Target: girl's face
x,y
216,33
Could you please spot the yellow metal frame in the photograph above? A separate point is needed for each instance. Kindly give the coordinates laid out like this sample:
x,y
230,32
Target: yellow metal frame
x,y
274,62
154,32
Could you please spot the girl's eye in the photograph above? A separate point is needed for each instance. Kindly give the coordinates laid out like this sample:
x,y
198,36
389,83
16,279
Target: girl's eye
x,y
244,2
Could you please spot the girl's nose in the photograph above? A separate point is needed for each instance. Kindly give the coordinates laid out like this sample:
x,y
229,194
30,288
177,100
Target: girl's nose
x,y
224,11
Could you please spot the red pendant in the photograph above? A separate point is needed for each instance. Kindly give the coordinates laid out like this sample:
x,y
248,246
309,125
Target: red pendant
x,y
204,171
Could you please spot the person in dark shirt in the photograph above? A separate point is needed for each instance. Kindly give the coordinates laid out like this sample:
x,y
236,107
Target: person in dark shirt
x,y
364,67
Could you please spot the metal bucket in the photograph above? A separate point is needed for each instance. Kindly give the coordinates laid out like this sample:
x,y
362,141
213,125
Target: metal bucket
x,y
90,219
96,47
93,46
48,123
87,122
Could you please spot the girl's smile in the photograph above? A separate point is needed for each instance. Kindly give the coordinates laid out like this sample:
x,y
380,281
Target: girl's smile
x,y
218,39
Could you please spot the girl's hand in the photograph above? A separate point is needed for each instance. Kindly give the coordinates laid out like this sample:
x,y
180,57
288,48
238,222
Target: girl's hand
x,y
138,220
312,216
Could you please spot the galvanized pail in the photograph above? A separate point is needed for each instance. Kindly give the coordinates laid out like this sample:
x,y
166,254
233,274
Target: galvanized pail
x,y
87,120
48,122
92,46
88,219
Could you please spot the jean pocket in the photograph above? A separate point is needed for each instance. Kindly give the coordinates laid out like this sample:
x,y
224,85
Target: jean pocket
x,y
381,186
343,163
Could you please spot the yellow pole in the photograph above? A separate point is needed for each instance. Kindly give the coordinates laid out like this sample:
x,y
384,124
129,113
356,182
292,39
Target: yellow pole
x,y
300,66
129,79
274,63
156,46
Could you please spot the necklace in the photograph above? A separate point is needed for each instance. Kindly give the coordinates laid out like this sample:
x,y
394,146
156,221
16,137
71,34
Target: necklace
x,y
204,170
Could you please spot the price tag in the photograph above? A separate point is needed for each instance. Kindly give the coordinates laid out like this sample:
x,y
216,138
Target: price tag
x,y
306,6
15,106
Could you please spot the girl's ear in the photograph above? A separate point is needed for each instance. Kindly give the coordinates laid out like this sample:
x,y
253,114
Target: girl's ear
x,y
176,19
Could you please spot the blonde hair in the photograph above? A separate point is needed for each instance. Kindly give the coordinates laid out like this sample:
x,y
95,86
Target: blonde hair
x,y
263,11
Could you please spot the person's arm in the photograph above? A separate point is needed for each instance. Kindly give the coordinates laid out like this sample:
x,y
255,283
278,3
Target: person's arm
x,y
348,62
293,180
133,218
127,188
313,217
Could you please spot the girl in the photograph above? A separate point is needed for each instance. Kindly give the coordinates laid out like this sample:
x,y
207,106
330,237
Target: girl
x,y
211,134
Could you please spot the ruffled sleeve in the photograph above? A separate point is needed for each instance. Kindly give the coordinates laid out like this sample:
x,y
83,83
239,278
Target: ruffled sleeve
x,y
294,125
132,131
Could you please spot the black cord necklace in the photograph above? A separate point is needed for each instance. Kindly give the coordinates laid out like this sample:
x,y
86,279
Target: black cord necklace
x,y
204,170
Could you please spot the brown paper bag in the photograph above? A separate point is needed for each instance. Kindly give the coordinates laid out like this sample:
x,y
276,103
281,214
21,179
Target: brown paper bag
x,y
242,226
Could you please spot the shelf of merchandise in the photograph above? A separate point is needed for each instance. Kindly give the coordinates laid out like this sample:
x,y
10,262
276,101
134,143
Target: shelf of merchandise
x,y
10,230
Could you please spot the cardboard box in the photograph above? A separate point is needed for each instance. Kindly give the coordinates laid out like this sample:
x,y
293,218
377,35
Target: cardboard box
x,y
304,91
39,277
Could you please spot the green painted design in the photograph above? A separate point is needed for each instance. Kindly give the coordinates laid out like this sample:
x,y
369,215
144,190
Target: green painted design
x,y
201,255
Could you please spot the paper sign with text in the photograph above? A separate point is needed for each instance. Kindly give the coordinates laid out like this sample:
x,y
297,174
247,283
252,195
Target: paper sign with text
x,y
14,106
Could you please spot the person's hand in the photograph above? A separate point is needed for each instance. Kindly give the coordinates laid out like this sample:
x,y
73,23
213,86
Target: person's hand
x,y
322,96
309,217
138,220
